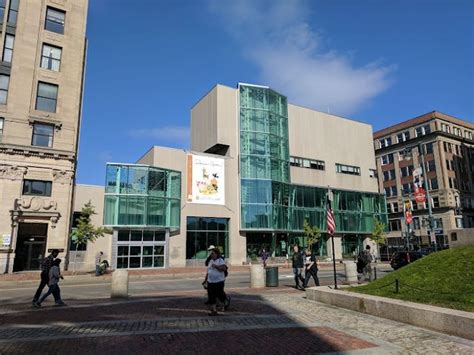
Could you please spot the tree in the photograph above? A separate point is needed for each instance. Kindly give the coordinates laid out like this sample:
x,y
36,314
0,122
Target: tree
x,y
85,230
312,233
378,234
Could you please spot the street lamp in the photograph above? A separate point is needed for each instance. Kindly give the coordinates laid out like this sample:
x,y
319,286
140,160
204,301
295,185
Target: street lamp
x,y
407,155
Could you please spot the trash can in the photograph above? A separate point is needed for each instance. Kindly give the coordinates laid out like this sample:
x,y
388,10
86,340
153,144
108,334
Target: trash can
x,y
272,276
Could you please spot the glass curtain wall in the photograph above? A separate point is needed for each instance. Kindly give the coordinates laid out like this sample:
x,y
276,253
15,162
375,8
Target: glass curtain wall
x,y
138,195
201,232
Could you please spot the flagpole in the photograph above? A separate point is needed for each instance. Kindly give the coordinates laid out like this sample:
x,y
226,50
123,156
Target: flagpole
x,y
332,241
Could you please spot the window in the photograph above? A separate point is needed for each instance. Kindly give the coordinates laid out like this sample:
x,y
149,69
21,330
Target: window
x,y
205,231
395,225
394,207
447,147
1,128
457,150
445,128
437,223
2,9
43,135
406,170
55,20
421,131
8,48
435,202
385,142
457,131
406,188
387,159
4,82
389,175
51,57
402,137
468,135
429,148
307,163
391,191
434,184
347,169
46,97
414,205
416,223
449,164
431,165
372,173
13,12
37,187
459,223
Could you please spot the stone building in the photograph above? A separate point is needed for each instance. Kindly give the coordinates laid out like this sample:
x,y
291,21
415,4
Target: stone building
x,y
41,89
447,146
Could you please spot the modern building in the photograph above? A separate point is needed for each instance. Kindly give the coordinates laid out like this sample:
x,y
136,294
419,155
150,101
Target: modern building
x,y
257,168
41,86
447,146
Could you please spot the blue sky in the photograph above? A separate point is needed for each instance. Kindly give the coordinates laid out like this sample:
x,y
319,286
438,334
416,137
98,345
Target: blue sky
x,y
376,61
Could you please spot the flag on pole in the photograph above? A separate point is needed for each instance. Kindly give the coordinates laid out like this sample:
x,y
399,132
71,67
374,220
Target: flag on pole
x,y
330,219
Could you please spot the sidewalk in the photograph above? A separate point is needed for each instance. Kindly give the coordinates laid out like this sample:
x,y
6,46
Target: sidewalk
x,y
279,321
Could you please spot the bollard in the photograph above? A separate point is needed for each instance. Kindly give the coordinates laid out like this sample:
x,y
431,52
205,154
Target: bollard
x,y
257,276
119,284
350,268
396,285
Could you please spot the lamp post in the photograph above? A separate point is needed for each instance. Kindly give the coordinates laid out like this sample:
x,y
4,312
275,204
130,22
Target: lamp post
x,y
407,155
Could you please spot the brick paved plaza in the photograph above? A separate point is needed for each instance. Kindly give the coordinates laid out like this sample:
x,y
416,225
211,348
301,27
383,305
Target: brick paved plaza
x,y
277,321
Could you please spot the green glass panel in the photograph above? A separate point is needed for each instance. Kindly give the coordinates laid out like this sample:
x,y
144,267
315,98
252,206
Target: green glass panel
x,y
157,182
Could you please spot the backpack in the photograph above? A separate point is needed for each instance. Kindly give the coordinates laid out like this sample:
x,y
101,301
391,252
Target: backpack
x,y
362,260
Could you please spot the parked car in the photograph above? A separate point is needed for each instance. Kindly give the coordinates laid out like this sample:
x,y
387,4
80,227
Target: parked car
x,y
402,258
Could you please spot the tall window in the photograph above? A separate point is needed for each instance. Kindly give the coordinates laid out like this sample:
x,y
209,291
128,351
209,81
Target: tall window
x,y
51,57
434,184
8,48
404,136
37,187
2,9
47,96
387,159
1,128
55,20
429,148
4,81
13,12
421,131
385,142
43,135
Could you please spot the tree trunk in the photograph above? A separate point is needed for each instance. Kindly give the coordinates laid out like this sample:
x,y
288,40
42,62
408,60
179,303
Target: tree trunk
x,y
75,257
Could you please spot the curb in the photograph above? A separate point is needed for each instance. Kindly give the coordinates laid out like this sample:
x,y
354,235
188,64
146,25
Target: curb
x,y
445,320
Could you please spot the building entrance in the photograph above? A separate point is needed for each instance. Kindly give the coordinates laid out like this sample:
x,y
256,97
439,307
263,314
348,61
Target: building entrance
x,y
141,249
30,246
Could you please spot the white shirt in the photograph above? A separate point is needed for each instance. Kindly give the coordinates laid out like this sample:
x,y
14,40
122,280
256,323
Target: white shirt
x,y
214,275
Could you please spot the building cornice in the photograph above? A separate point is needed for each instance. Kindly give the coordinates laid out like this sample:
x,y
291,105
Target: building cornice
x,y
34,151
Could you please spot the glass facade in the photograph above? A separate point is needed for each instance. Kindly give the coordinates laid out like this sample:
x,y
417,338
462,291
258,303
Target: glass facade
x,y
139,195
269,202
140,248
203,232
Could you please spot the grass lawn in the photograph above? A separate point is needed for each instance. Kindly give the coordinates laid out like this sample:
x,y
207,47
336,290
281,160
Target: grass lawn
x,y
445,279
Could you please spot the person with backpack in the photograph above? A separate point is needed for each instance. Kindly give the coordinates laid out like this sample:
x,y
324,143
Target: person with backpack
x,y
45,267
54,276
215,277
364,264
311,269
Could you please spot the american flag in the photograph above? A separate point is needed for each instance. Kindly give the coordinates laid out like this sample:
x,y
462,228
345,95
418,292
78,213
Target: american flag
x,y
330,219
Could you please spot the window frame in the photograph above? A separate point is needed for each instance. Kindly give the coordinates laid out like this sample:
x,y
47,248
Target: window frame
x,y
8,49
5,89
51,140
45,97
51,60
11,10
47,192
2,127
53,22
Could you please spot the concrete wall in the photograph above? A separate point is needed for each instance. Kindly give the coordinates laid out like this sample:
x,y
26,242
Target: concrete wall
x,y
85,260
333,139
461,237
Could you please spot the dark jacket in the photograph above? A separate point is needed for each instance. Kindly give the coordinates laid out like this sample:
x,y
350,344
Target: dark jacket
x,y
297,260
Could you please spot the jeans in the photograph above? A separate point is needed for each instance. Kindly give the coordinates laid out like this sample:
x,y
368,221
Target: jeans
x,y
53,289
297,271
44,281
308,275
97,270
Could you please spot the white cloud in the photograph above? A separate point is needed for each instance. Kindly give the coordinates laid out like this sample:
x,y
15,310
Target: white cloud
x,y
277,37
177,134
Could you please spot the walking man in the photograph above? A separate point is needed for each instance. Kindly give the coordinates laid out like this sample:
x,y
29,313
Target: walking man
x,y
297,264
364,262
311,269
46,264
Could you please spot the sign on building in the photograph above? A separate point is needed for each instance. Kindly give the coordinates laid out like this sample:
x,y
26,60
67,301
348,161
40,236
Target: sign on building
x,y
6,240
205,180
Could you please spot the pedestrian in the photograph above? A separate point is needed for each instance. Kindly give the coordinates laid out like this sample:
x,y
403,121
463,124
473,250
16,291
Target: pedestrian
x,y
297,264
264,256
206,263
216,274
54,276
312,266
98,260
364,264
45,267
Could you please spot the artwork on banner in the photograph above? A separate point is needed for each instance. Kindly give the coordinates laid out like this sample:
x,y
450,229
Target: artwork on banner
x,y
205,180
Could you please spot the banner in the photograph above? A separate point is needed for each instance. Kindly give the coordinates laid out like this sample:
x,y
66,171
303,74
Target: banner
x,y
206,180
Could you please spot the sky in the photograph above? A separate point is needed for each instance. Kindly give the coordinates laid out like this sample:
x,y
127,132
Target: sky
x,y
376,61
